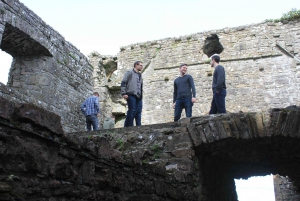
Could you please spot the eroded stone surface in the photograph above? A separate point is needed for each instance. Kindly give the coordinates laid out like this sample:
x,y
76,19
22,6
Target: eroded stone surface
x,y
47,71
195,159
259,74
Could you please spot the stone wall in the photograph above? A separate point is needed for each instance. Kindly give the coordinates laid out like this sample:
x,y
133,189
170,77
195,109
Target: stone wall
x,y
285,189
39,162
46,70
194,159
261,72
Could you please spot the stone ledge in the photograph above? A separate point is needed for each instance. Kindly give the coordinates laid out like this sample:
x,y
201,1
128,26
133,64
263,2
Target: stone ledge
x,y
30,117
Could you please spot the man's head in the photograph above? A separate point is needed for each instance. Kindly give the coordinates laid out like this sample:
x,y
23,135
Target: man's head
x,y
183,69
214,60
96,94
138,66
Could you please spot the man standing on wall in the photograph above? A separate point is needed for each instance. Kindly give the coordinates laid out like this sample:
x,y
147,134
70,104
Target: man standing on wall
x,y
132,91
218,86
109,122
184,95
91,109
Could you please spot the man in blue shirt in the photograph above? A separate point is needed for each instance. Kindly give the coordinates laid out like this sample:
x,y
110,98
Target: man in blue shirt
x,y
91,109
184,95
218,86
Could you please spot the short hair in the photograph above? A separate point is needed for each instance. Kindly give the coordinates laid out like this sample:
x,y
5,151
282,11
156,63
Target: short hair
x,y
182,65
96,94
215,57
137,63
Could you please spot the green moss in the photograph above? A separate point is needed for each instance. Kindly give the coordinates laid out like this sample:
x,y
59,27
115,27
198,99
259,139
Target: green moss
x,y
145,161
157,151
73,57
120,144
60,62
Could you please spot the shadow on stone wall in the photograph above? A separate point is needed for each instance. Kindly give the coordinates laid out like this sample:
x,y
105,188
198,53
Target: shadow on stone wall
x,y
195,159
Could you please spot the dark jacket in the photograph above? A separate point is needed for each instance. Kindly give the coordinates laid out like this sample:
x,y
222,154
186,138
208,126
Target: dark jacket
x,y
219,79
129,84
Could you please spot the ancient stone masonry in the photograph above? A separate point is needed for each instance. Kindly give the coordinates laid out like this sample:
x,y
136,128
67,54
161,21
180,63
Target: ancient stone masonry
x,y
46,71
195,159
285,189
104,72
261,72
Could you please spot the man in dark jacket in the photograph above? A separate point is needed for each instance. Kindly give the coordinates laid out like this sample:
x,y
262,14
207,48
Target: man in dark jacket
x,y
218,86
132,91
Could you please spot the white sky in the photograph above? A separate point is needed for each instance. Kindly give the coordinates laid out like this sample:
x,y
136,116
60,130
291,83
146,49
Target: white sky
x,y
106,25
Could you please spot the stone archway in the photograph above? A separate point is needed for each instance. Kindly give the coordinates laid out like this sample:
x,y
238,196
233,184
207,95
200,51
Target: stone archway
x,y
247,145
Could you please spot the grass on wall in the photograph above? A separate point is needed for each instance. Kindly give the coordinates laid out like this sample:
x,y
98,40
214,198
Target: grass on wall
x,y
291,15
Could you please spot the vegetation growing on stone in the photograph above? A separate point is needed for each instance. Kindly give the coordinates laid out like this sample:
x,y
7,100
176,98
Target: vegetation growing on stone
x,y
291,15
120,144
73,56
157,151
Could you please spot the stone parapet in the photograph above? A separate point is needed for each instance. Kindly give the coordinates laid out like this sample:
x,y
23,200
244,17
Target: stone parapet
x,y
194,159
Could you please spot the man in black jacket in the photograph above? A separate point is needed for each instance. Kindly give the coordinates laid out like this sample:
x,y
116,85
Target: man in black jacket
x,y
218,86
184,95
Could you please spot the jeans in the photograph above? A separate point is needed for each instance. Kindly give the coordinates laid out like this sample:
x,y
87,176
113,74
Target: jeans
x,y
218,102
135,106
92,120
181,103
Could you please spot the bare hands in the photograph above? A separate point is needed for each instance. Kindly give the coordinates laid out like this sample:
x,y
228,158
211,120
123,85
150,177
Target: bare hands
x,y
193,100
173,106
125,96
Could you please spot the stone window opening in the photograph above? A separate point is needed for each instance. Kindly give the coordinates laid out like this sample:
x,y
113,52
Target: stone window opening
x,y
253,187
212,45
110,67
23,49
17,43
6,61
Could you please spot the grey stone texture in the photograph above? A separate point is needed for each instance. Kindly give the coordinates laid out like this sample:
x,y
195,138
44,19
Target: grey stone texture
x,y
259,73
46,71
285,189
194,159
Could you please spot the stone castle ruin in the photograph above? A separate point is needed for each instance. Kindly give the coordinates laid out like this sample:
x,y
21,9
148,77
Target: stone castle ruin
x,y
46,71
262,70
45,154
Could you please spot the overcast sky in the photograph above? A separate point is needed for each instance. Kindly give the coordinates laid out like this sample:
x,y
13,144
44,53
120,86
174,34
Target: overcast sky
x,y
105,26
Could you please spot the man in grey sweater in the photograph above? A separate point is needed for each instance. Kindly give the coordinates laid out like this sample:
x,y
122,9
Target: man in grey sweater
x,y
218,86
132,91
